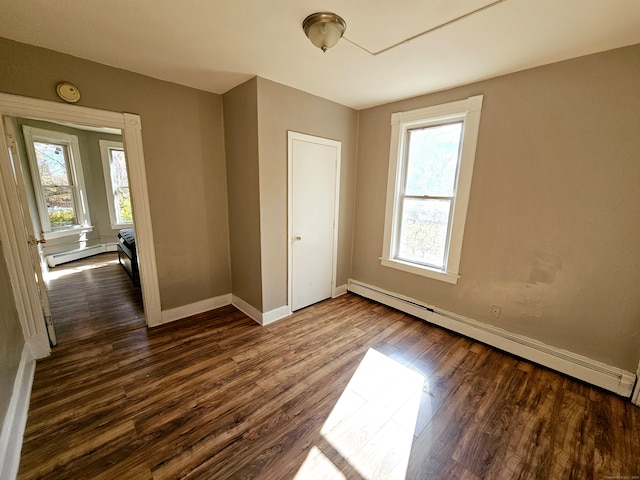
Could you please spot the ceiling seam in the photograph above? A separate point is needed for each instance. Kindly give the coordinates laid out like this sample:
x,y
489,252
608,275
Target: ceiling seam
x,y
432,29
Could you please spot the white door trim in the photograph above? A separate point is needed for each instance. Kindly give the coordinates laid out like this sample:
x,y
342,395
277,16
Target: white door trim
x,y
635,395
12,232
291,136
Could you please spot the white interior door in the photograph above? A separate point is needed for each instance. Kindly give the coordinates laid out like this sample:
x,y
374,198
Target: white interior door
x,y
314,179
32,239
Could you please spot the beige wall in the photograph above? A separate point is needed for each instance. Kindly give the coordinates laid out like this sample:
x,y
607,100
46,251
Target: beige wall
x,y
281,108
554,218
241,146
11,339
258,114
183,147
553,228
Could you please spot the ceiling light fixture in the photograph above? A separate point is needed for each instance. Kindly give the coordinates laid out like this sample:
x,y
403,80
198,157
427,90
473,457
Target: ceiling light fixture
x,y
324,29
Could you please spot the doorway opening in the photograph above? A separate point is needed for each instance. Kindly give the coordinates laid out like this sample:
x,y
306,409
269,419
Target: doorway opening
x,y
73,186
71,231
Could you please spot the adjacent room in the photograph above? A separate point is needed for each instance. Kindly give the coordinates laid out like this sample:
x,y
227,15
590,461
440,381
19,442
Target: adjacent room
x,y
320,240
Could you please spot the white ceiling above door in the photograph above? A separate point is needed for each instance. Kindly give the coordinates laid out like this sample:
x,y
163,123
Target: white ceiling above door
x,y
214,45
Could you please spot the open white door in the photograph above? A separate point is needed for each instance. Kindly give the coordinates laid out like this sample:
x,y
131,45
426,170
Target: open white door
x,y
32,240
314,166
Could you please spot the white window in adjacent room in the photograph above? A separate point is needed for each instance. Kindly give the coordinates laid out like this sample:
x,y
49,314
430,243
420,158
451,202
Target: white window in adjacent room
x,y
430,169
116,181
58,182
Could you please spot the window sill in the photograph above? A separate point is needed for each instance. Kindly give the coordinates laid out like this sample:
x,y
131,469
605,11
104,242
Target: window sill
x,y
120,226
420,270
67,232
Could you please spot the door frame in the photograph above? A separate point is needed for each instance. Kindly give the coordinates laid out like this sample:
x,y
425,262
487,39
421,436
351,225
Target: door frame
x,y
635,394
12,231
291,136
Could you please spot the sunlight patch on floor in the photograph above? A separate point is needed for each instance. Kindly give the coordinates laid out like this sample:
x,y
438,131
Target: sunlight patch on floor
x,y
370,430
59,272
317,465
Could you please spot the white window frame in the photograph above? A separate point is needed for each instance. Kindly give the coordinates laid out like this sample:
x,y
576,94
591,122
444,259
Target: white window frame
x,y
105,147
31,135
468,111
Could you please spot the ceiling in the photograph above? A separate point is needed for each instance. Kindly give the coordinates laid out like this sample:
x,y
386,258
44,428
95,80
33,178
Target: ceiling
x,y
215,45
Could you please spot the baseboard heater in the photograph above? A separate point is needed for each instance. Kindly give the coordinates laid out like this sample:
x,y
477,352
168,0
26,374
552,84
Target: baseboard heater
x,y
583,368
78,253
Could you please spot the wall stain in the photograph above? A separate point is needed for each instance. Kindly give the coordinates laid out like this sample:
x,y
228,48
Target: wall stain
x,y
545,268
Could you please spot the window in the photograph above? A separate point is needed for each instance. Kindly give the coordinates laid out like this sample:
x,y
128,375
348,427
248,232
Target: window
x,y
116,181
58,183
430,169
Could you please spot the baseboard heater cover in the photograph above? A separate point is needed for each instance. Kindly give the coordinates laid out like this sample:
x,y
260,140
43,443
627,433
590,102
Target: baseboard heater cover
x,y
583,368
78,253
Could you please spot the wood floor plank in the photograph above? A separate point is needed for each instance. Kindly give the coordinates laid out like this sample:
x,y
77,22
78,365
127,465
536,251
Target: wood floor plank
x,y
91,297
217,396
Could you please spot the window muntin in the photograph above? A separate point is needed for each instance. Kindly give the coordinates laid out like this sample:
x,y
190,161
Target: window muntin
x,y
56,172
116,180
431,163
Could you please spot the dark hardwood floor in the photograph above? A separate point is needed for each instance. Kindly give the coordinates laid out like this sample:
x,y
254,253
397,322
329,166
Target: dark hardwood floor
x,y
346,388
93,296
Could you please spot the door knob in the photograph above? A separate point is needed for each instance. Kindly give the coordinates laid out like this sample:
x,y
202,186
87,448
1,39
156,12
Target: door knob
x,y
31,240
297,238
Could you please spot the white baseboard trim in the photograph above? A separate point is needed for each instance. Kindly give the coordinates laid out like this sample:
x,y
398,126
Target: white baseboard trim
x,y
276,314
110,247
249,310
78,253
635,397
39,346
15,419
340,290
583,368
256,315
185,311
178,313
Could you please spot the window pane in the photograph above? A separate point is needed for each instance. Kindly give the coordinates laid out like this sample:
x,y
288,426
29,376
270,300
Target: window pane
x,y
432,160
52,163
60,206
423,231
120,185
118,169
123,199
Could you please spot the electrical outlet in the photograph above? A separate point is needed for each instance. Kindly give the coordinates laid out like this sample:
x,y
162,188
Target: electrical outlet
x,y
495,311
